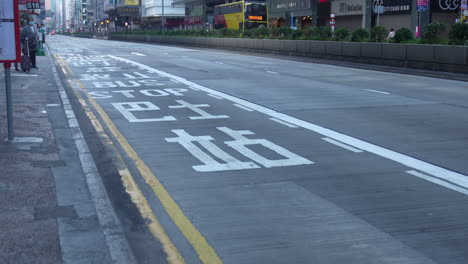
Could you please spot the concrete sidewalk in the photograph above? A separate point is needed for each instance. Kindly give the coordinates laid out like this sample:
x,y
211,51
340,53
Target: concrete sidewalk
x,y
49,190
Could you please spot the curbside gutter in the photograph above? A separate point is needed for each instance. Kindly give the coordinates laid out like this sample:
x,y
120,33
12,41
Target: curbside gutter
x,y
117,244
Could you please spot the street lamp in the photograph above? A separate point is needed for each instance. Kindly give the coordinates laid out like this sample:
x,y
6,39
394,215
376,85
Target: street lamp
x,y
163,19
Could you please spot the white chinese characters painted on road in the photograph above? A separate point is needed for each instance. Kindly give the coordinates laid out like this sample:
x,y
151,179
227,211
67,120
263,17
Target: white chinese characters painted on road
x,y
239,144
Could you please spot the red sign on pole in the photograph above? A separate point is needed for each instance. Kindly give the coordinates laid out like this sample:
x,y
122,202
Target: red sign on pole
x,y
9,32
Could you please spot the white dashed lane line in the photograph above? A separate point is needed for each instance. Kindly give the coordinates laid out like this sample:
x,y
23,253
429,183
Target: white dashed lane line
x,y
375,91
339,144
215,96
282,122
244,107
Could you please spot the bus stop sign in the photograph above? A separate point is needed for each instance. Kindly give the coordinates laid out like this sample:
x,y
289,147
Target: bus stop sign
x,y
9,31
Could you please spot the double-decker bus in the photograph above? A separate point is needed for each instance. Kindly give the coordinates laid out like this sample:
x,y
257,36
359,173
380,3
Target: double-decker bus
x,y
240,15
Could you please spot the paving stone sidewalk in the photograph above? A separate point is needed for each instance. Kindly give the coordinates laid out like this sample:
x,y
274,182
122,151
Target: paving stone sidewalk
x,y
46,211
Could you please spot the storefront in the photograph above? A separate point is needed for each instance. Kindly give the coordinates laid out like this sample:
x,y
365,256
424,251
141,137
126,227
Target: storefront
x,y
294,13
397,14
443,11
348,13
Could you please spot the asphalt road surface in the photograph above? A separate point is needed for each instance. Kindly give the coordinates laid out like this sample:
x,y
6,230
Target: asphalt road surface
x,y
235,158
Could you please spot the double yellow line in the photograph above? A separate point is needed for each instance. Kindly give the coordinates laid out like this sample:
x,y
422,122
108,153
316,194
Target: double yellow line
x,y
205,252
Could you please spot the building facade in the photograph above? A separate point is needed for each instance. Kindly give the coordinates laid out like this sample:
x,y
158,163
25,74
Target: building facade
x,y
158,13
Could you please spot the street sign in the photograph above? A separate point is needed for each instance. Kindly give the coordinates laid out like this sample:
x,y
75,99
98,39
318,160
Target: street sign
x,y
9,31
422,5
422,8
464,4
379,9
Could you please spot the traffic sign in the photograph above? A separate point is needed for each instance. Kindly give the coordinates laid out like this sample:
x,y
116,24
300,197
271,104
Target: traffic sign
x,y
9,31
422,5
422,8
464,4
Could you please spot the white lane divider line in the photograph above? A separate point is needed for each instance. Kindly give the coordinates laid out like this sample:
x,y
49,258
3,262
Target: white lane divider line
x,y
375,91
138,54
244,107
440,172
52,105
282,122
23,75
439,181
272,72
339,144
215,96
218,62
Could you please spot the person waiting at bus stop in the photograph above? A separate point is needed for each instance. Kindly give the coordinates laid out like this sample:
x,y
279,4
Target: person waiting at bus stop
x,y
30,34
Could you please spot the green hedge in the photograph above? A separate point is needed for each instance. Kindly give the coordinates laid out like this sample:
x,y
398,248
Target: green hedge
x,y
431,34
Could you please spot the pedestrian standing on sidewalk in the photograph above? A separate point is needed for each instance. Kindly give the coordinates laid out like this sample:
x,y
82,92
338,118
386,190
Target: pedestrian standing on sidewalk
x,y
43,31
30,33
391,34
21,43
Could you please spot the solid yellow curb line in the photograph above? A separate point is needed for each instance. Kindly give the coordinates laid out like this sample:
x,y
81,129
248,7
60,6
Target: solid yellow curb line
x,y
131,187
205,252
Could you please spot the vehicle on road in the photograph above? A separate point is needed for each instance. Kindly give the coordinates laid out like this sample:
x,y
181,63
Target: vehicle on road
x,y
240,15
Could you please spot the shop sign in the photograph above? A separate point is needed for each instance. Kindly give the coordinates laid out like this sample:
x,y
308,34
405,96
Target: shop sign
x,y
128,11
445,6
132,2
393,6
347,7
193,20
276,6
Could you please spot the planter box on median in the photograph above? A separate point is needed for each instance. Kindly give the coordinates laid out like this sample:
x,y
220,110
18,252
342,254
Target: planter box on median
x,y
290,45
231,43
317,47
351,49
394,51
303,46
451,54
333,48
371,50
259,44
417,52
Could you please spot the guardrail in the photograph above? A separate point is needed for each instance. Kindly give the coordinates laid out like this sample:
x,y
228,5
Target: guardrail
x,y
429,57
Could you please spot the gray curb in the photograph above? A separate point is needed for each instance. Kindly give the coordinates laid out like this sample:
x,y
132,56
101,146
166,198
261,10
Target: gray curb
x,y
117,243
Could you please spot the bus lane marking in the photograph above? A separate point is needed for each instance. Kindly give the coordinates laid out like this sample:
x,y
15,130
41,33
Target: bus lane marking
x,y
197,109
138,54
215,96
375,91
282,122
239,144
440,172
243,107
339,144
204,250
439,181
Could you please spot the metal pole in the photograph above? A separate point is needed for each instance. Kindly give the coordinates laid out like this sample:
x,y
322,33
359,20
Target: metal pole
x,y
8,101
163,19
378,18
